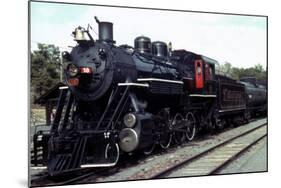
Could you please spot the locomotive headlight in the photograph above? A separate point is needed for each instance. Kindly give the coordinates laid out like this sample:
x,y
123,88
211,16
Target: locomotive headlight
x,y
72,70
130,120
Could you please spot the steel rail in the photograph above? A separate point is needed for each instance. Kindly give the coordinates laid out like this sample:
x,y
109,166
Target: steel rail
x,y
164,173
227,162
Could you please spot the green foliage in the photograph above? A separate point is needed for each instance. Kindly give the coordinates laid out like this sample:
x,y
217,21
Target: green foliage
x,y
257,71
45,69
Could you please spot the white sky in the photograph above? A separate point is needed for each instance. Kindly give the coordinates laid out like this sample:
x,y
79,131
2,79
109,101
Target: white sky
x,y
240,40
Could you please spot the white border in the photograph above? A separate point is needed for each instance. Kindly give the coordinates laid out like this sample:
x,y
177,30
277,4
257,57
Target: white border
x,y
14,105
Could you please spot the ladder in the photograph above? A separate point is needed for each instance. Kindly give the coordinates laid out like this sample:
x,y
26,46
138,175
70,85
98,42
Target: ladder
x,y
63,110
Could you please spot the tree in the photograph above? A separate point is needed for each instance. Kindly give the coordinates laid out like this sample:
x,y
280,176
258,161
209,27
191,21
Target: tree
x,y
236,73
257,71
45,68
225,69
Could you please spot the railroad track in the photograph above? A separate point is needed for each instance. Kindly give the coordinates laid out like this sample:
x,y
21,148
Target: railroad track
x,y
212,160
177,170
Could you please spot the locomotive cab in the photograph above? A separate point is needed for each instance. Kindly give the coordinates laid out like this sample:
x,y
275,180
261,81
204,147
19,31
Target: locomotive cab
x,y
197,72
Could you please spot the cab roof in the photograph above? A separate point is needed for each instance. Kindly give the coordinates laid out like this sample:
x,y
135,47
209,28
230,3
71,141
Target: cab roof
x,y
209,60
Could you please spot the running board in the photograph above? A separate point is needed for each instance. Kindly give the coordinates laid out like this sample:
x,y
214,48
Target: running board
x,y
98,165
38,167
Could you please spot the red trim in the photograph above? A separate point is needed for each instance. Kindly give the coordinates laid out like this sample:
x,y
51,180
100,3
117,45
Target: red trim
x,y
73,81
199,82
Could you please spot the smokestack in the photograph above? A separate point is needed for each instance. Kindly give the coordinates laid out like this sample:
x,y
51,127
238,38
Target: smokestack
x,y
105,31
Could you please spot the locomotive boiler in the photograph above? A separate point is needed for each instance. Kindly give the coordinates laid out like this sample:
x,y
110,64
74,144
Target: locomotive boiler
x,y
122,99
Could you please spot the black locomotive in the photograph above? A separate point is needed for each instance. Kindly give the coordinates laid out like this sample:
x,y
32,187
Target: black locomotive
x,y
122,99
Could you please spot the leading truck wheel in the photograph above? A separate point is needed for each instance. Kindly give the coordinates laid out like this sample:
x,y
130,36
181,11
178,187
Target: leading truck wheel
x,y
112,152
190,126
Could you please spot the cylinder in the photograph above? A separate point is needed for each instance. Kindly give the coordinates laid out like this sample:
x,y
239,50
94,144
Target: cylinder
x,y
143,44
128,140
159,49
106,31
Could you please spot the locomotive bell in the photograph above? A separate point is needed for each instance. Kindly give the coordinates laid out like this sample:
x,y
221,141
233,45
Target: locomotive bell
x,y
79,34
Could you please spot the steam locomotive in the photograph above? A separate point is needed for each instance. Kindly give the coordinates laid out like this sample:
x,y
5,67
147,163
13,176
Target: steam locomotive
x,y
123,99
